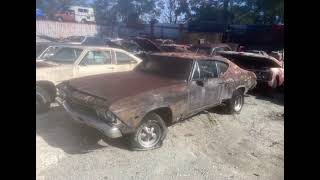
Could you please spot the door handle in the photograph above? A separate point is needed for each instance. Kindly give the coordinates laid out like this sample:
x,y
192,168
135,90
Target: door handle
x,y
110,67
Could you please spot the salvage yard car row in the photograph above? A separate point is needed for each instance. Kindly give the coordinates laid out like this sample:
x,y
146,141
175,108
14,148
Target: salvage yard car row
x,y
138,96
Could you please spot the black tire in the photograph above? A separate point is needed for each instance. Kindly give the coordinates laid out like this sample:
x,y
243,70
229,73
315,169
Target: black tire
x,y
60,19
233,104
83,21
42,100
151,120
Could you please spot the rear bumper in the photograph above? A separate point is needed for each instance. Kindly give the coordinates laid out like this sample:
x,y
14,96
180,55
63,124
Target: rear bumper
x,y
107,130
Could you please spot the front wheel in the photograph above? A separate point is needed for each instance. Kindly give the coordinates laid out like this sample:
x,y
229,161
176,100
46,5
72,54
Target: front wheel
x,y
150,133
235,104
42,100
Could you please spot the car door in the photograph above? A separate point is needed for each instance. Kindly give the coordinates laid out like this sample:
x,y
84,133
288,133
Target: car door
x,y
124,61
196,90
212,83
227,83
95,62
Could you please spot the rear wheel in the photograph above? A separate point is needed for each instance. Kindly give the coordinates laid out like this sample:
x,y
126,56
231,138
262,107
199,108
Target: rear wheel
x,y
150,133
83,21
235,104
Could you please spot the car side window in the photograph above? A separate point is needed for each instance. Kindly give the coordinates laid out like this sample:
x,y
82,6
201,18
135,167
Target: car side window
x,y
97,58
222,67
123,58
207,70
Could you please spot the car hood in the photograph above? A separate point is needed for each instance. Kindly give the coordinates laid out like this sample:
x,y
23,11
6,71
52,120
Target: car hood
x,y
247,60
115,86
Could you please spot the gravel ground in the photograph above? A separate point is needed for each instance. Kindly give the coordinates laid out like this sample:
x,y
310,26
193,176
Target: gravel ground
x,y
212,145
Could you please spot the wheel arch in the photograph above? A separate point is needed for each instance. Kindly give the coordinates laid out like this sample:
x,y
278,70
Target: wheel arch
x,y
49,87
164,112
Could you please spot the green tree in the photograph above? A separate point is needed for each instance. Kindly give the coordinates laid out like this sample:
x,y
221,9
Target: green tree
x,y
126,11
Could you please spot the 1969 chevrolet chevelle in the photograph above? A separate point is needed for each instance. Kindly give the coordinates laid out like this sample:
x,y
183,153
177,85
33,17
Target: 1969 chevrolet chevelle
x,y
163,89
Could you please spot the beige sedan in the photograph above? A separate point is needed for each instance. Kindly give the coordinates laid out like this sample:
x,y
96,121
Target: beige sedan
x,y
64,62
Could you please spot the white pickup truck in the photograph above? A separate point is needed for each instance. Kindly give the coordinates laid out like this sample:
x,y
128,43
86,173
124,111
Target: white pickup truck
x,y
64,62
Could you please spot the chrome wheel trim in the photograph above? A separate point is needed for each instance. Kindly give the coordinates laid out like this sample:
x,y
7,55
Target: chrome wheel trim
x,y
150,134
238,102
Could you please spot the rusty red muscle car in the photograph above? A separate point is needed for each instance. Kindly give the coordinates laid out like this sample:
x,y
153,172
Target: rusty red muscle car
x,y
163,89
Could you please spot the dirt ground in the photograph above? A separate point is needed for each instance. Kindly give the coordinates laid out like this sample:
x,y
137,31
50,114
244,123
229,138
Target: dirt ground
x,y
213,145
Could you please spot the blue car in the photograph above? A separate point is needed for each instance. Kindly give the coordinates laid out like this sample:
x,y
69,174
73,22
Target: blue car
x,y
40,14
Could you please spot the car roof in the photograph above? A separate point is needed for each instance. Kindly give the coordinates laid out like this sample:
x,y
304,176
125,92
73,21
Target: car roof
x,y
89,47
190,56
214,45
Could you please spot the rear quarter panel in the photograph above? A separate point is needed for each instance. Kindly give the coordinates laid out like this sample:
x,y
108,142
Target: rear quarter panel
x,y
277,72
235,78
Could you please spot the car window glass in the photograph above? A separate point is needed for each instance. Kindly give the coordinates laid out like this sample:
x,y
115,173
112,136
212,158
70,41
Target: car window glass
x,y
97,58
123,58
207,70
223,67
63,55
219,49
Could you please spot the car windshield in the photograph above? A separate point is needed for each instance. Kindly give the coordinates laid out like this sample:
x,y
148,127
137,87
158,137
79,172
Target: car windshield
x,y
61,54
169,67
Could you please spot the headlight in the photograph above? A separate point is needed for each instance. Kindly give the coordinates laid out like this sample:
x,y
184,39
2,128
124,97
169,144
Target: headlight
x,y
107,116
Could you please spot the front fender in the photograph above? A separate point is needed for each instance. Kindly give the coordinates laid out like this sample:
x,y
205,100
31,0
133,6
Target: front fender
x,y
131,110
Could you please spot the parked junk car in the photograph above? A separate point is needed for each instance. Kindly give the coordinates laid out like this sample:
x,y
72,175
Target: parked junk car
x,y
150,46
163,89
129,45
76,14
59,63
175,48
40,14
164,41
268,70
257,52
84,40
279,55
146,44
210,49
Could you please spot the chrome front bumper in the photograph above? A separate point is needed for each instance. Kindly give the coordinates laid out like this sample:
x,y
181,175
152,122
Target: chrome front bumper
x,y
107,130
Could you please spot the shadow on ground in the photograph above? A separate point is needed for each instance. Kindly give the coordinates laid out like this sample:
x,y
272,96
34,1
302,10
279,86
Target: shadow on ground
x,y
275,96
58,130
